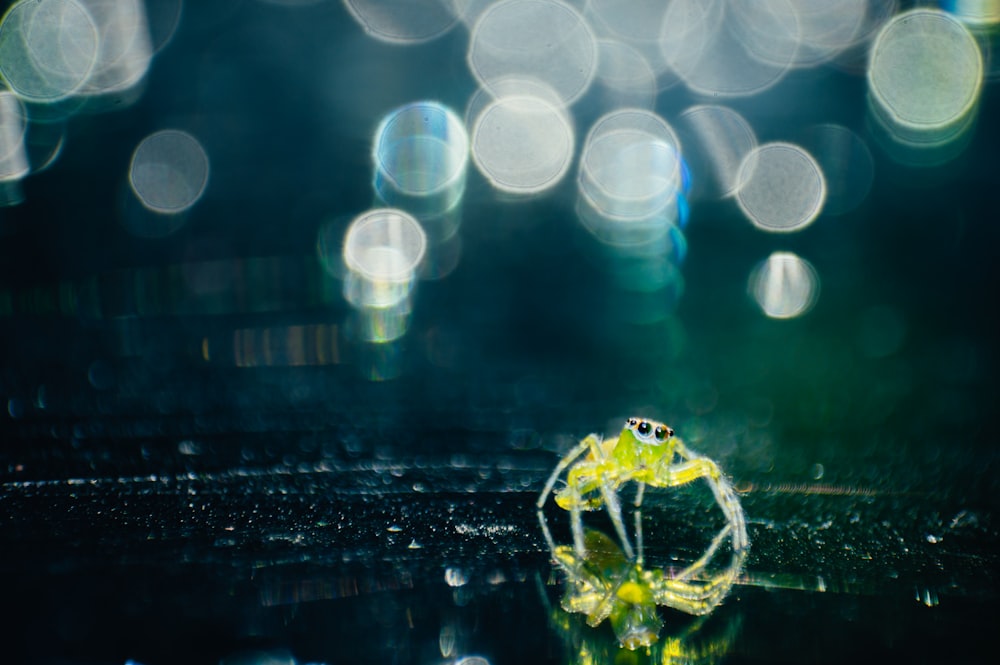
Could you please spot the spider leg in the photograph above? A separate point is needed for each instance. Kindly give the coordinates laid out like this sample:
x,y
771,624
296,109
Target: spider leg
x,y
684,592
592,591
592,443
614,509
563,464
639,494
549,541
576,523
703,560
694,467
696,597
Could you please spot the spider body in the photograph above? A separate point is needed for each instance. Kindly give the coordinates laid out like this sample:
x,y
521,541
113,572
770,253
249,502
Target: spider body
x,y
632,455
646,452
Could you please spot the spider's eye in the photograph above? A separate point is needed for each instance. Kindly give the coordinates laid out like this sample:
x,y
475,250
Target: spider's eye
x,y
661,433
644,428
631,423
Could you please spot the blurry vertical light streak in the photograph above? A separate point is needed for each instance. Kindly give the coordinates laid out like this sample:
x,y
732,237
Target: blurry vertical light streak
x,y
383,250
421,155
632,186
13,155
279,346
784,286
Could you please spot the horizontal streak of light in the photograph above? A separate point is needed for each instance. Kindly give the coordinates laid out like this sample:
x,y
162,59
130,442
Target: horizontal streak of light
x,y
813,488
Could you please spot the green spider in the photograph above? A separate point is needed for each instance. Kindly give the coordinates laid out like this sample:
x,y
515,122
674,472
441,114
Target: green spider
x,y
607,583
647,453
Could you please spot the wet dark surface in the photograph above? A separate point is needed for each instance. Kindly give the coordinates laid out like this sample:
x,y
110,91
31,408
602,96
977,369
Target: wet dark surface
x,y
374,561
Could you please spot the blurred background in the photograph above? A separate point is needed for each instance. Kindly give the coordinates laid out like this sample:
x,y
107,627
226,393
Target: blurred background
x,y
303,300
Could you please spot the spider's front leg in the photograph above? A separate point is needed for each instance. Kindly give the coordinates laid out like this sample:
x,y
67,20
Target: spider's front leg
x,y
589,443
697,598
583,489
682,591
692,467
590,484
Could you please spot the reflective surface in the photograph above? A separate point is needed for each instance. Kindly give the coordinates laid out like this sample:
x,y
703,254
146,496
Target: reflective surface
x,y
219,446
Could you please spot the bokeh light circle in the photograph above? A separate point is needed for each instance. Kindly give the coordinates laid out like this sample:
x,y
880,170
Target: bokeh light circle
x,y
384,245
47,49
781,187
734,49
421,153
630,166
625,75
169,171
522,144
126,48
784,286
635,23
403,21
718,139
925,74
545,40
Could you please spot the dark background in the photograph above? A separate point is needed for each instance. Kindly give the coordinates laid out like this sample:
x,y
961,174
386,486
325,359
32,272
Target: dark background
x,y
161,506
